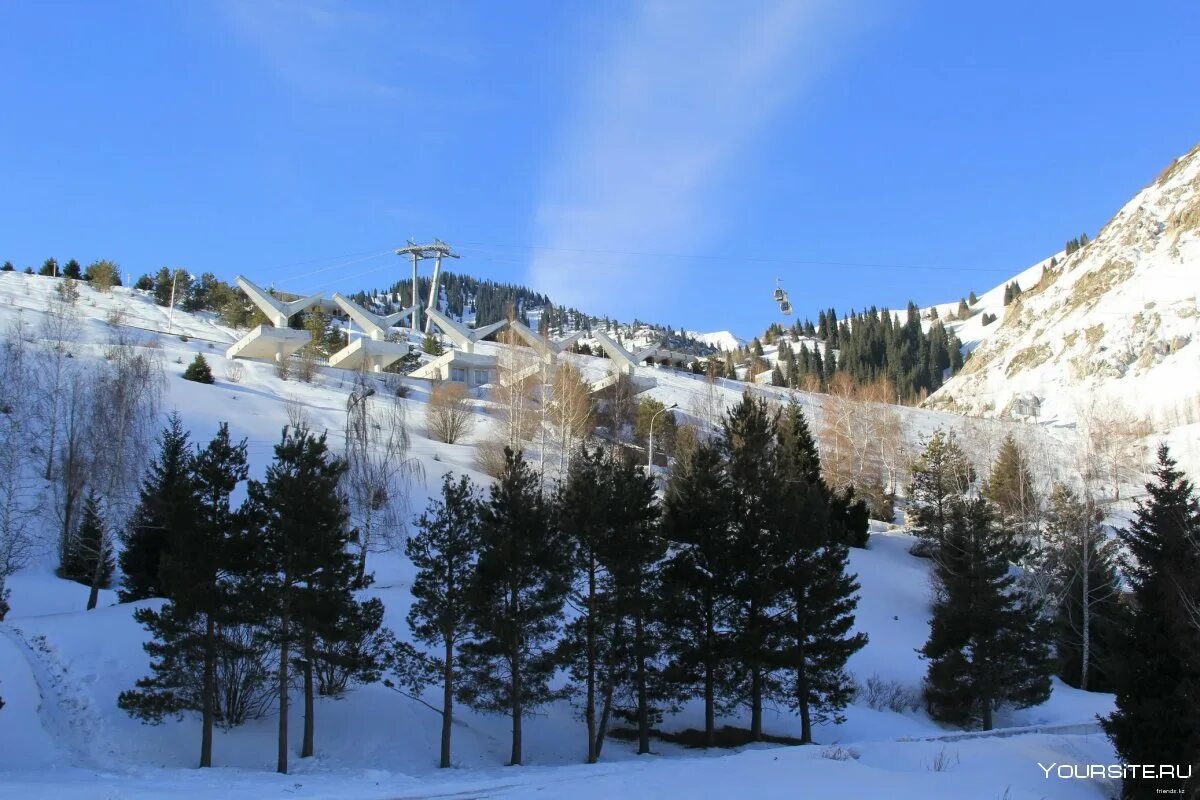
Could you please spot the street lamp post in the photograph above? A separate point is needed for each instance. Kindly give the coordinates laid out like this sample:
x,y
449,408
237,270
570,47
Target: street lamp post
x,y
650,460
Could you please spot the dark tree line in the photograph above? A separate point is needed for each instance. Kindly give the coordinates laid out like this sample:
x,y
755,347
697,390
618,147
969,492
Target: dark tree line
x,y
734,589
869,346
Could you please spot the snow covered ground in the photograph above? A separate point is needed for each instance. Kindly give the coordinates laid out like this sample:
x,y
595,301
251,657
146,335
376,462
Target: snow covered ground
x,y
61,668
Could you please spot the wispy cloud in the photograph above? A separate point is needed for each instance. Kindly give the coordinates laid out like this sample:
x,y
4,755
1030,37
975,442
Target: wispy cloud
x,y
664,118
320,47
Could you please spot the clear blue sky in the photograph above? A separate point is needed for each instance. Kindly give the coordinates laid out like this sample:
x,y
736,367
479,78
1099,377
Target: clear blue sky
x,y
558,143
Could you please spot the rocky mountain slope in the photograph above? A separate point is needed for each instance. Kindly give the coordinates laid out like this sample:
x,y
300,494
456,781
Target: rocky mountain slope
x,y
1115,324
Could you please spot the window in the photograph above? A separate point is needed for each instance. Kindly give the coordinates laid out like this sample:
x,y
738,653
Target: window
x,y
481,377
458,374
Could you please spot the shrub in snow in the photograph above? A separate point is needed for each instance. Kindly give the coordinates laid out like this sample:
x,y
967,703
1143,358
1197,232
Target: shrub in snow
x,y
198,370
883,695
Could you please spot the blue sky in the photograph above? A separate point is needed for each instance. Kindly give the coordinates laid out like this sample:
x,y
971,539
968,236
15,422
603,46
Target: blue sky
x,y
660,160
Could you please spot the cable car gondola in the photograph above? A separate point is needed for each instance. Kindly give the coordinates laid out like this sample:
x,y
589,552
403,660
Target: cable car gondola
x,y
781,297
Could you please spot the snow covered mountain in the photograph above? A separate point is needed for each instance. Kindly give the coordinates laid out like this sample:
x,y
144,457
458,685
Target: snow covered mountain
x,y
1115,323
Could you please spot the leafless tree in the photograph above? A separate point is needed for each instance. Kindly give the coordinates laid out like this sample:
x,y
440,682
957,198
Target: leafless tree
x,y
127,392
513,397
708,407
18,494
59,334
1113,438
380,469
234,371
72,465
571,412
449,416
296,411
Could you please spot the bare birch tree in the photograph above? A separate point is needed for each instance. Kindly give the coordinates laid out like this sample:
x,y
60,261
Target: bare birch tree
x,y
571,412
18,493
379,469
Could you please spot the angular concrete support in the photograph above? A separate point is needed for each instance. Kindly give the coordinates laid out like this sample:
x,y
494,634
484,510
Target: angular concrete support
x,y
270,343
374,325
546,348
276,310
370,354
464,338
626,362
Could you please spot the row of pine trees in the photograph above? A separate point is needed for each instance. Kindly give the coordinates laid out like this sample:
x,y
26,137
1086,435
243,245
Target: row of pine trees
x,y
733,590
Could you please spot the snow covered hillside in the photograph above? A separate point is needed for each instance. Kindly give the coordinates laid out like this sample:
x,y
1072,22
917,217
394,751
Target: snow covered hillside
x,y
1116,322
61,668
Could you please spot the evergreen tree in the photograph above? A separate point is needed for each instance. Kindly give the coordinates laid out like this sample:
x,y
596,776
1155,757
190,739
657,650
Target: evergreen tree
x,y
49,267
587,644
165,511
696,581
1090,617
8,267
443,551
431,345
632,552
964,310
72,270
198,370
1157,677
1009,487
89,557
206,565
520,585
749,450
987,645
305,571
940,477
815,637
972,299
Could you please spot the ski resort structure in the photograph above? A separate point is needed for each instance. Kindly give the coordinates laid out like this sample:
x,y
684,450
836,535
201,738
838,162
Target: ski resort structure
x,y
380,341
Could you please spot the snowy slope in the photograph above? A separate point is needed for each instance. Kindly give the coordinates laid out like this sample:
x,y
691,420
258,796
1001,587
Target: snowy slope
x,y
1117,321
61,668
722,340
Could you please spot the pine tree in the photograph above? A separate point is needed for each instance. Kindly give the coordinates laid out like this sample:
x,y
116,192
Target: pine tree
x,y
749,450
631,553
443,551
972,299
1157,719
987,645
49,267
520,585
198,370
964,311
206,565
815,637
89,557
1009,487
696,581
306,572
940,476
165,511
72,270
1090,617
586,646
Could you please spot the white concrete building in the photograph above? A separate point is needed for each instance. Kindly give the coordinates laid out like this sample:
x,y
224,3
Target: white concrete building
x,y
276,341
371,351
